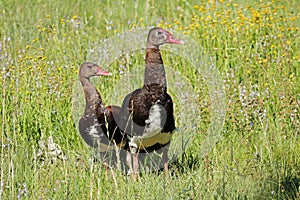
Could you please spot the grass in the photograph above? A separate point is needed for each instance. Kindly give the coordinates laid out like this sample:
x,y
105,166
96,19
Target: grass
x,y
255,48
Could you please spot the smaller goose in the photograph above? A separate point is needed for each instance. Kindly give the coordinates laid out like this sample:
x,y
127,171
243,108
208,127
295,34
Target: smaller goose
x,y
97,126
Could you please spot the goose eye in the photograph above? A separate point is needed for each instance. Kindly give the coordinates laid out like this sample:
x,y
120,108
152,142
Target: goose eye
x,y
89,66
158,33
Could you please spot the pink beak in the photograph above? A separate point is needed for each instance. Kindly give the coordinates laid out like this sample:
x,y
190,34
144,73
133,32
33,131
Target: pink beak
x,y
173,40
103,73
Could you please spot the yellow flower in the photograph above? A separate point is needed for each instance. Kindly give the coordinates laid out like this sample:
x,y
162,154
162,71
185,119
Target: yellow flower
x,y
35,40
295,57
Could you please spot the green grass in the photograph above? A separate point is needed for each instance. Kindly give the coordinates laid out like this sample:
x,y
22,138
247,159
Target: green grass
x,y
255,47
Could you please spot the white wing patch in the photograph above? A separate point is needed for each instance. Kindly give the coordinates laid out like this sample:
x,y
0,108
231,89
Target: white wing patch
x,y
93,132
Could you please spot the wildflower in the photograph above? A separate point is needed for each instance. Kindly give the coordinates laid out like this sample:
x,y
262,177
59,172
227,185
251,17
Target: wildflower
x,y
35,40
159,25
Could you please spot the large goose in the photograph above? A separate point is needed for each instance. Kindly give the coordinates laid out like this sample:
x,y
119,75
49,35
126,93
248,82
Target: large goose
x,y
147,113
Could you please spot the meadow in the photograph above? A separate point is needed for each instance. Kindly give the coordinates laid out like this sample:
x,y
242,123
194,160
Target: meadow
x,y
245,135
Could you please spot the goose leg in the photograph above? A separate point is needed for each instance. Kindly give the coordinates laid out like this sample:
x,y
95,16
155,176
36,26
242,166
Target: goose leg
x,y
134,152
135,165
129,162
106,163
106,167
165,159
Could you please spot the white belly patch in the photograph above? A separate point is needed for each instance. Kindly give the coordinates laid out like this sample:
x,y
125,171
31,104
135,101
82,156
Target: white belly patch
x,y
152,133
154,123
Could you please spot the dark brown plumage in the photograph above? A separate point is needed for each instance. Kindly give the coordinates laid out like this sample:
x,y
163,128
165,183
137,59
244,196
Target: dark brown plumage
x,y
147,113
97,126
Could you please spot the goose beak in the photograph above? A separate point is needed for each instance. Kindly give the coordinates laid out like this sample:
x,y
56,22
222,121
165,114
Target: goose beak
x,y
101,72
171,39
